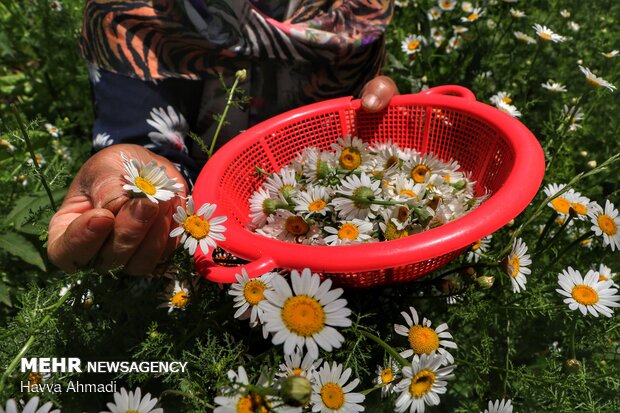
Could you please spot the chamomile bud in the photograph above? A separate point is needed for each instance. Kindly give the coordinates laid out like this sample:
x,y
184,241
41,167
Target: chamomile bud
x,y
296,391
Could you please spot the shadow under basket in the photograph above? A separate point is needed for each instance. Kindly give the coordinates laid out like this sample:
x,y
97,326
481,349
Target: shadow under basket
x,y
502,155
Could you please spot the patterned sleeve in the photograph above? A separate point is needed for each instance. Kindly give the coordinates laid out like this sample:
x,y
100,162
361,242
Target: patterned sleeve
x,y
151,114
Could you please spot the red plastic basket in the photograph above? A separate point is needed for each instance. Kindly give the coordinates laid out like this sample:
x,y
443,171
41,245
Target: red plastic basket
x,y
503,156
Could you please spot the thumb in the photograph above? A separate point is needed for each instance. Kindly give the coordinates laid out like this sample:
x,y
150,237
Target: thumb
x,y
377,93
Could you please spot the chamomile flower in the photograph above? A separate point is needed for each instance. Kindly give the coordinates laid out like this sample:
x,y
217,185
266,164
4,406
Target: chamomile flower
x,y
580,204
282,183
587,294
611,54
412,44
473,16
509,109
434,13
459,29
446,5
298,364
351,152
31,407
354,231
387,376
307,314
177,296
332,394
198,227
595,81
249,294
423,339
605,223
437,35
422,383
262,205
467,7
102,140
170,128
605,274
314,200
565,13
499,406
455,43
522,37
286,226
422,167
149,180
554,87
317,164
478,248
517,14
7,145
364,190
574,115
560,204
501,97
574,26
517,265
52,130
547,34
56,6
133,402
404,188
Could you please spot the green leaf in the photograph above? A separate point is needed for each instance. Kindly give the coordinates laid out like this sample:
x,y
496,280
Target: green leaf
x,y
31,202
19,246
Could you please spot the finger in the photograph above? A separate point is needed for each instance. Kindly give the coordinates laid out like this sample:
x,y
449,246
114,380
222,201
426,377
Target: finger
x,y
377,93
150,252
77,240
131,225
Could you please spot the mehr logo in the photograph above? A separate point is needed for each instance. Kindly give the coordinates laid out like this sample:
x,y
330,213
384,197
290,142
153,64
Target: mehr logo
x,y
51,365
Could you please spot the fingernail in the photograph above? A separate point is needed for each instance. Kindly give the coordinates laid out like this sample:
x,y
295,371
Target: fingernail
x,y
145,211
370,102
99,224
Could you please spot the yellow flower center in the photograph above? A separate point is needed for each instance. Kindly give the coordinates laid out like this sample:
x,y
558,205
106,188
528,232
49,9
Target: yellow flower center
x,y
580,209
413,45
348,231
594,82
132,411
387,376
423,340
584,294
407,192
297,371
391,232
602,278
350,158
197,227
607,224
332,396
507,100
317,205
180,299
253,291
252,403
34,378
403,214
297,226
476,245
303,315
418,173
473,16
447,4
561,205
422,383
514,265
545,35
145,185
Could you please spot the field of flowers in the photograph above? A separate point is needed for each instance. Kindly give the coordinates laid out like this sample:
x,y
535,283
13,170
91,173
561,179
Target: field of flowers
x,y
525,321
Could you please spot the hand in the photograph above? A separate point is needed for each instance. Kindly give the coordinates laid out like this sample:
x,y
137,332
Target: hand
x,y
100,224
377,93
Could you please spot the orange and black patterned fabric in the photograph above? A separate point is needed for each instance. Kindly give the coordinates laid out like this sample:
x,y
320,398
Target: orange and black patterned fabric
x,y
154,64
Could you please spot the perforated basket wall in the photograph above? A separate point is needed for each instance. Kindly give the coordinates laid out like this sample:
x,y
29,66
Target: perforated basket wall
x,y
449,134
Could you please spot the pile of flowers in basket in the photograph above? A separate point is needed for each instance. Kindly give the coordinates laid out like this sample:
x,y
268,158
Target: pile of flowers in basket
x,y
360,193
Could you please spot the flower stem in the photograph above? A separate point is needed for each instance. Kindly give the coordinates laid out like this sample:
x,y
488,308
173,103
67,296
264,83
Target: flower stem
x,y
222,118
395,354
33,156
13,364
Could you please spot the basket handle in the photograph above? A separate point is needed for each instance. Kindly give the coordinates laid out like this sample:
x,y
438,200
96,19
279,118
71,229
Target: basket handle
x,y
455,90
220,274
